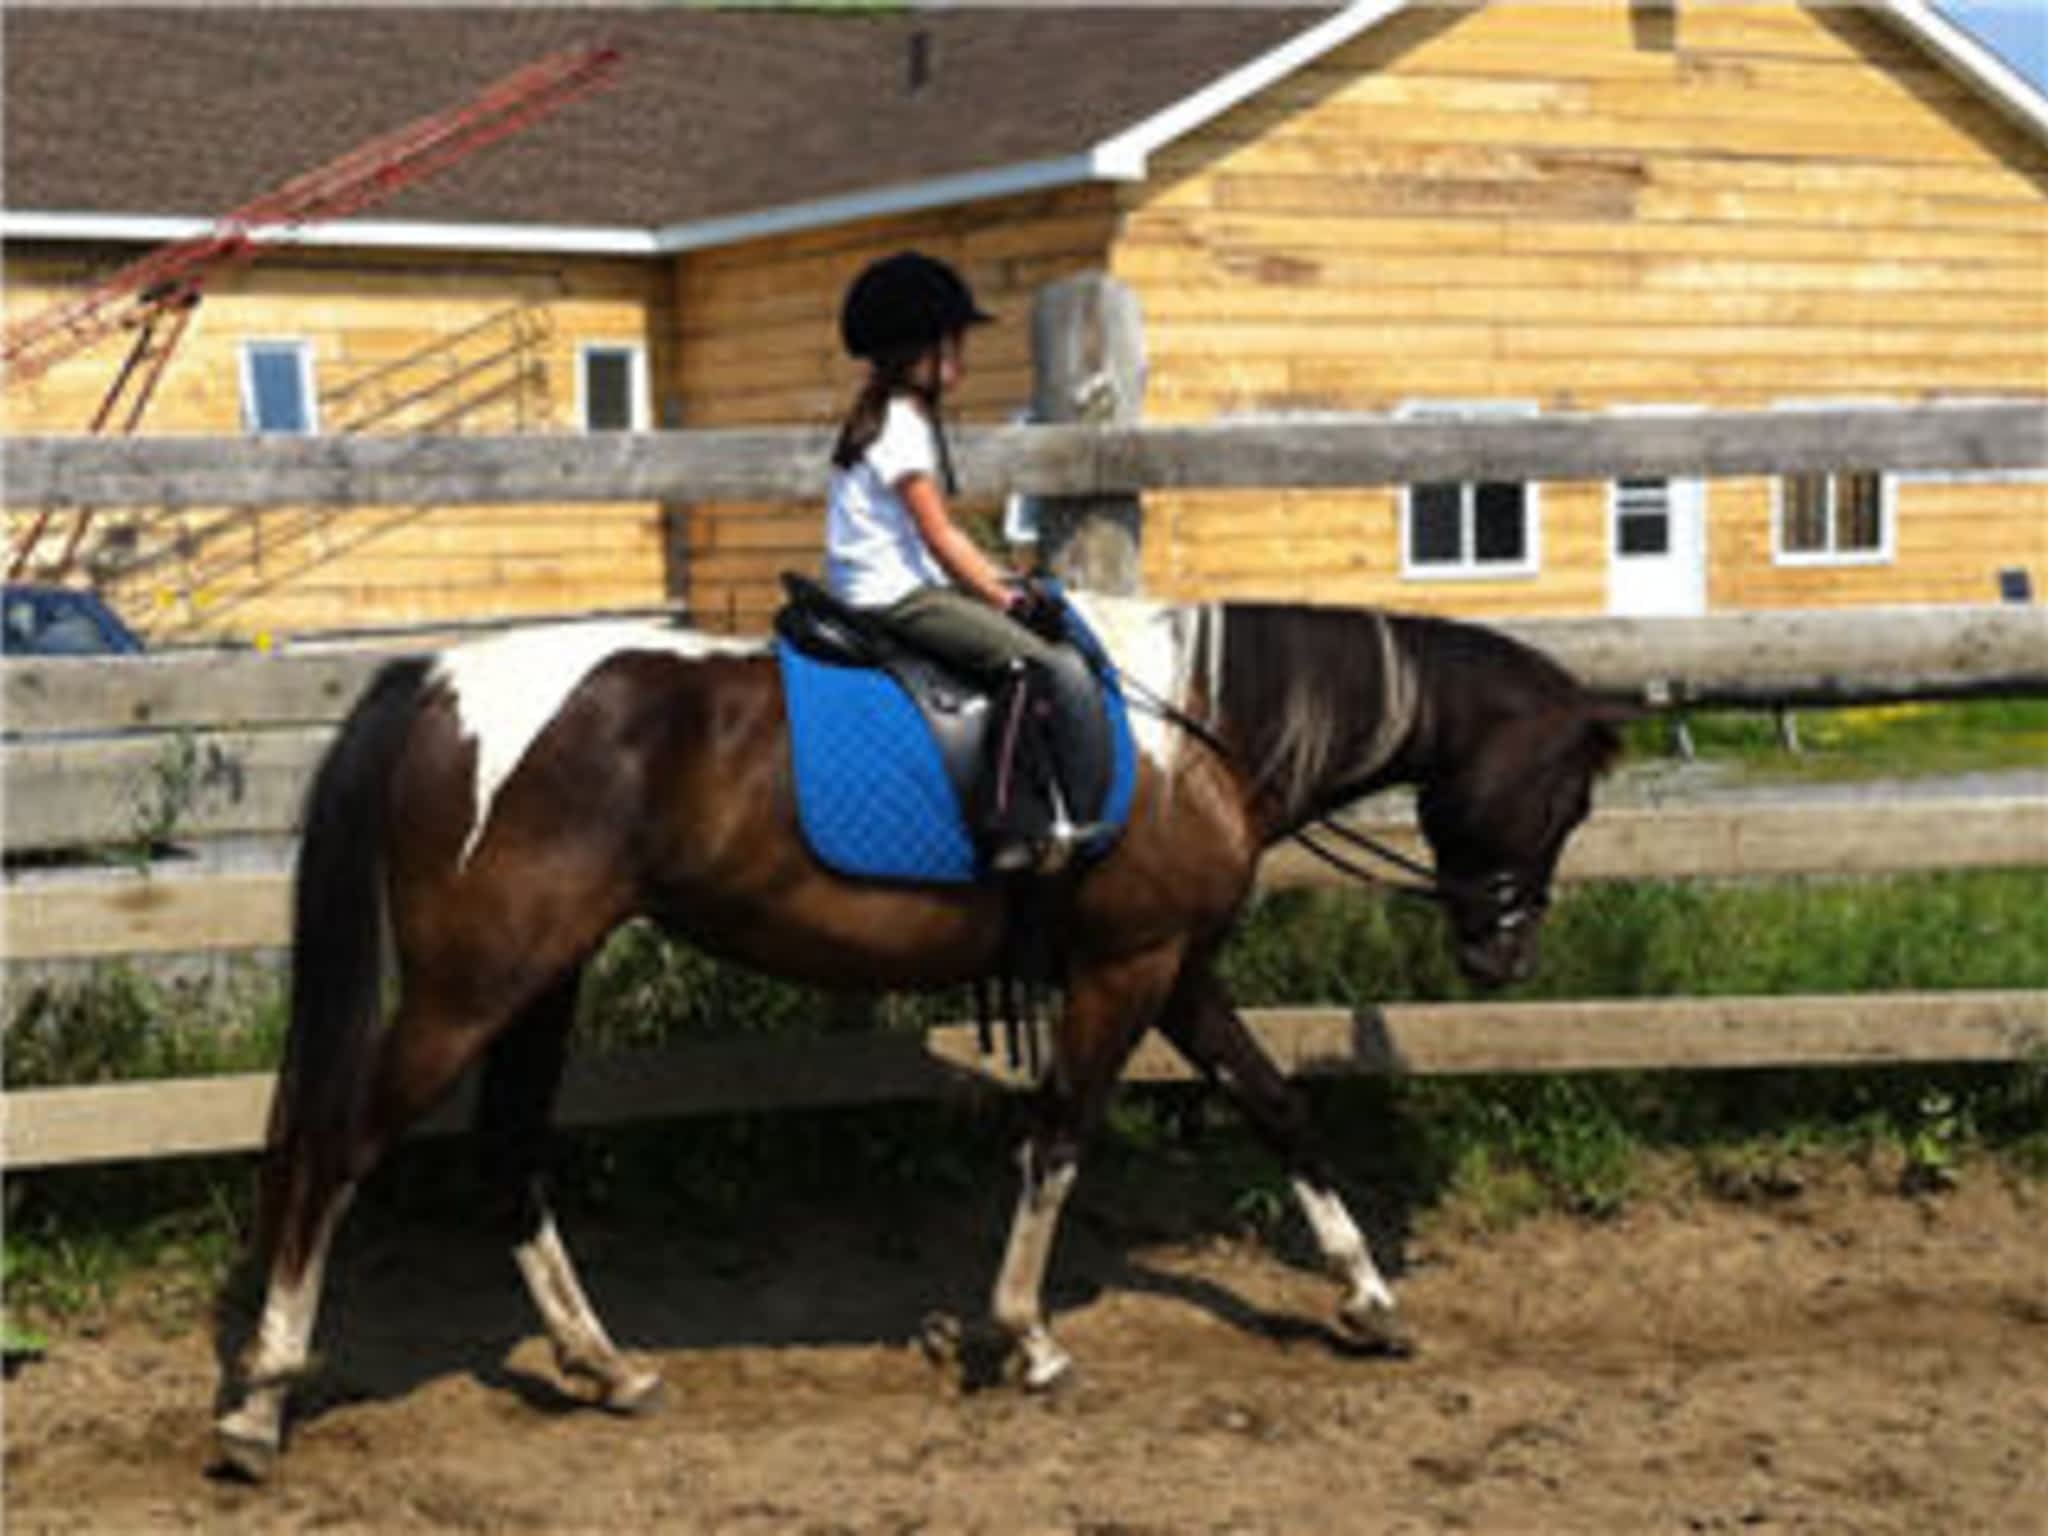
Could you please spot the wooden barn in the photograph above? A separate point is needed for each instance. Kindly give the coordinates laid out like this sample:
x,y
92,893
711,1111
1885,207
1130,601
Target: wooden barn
x,y
1510,208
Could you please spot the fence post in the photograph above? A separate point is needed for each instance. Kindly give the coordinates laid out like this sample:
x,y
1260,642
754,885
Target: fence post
x,y
1088,351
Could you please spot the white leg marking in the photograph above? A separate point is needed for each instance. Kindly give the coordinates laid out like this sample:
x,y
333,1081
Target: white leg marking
x,y
1344,1250
507,688
582,1347
1020,1287
283,1343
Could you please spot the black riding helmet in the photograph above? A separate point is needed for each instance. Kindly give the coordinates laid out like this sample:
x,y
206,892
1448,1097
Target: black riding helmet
x,y
906,302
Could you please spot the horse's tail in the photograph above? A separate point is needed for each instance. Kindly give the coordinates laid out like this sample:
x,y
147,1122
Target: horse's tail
x,y
337,965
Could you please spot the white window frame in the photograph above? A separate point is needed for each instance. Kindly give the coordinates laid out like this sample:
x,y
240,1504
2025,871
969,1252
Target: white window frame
x,y
636,352
1614,485
1467,568
302,349
1886,552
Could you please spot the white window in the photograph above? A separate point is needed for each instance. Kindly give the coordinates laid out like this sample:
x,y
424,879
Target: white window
x,y
1834,519
1470,529
611,387
277,388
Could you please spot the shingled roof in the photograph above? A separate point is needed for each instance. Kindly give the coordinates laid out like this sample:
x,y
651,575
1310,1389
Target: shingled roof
x,y
721,125
189,112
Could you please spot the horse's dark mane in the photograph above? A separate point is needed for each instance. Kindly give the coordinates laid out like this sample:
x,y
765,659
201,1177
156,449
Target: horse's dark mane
x,y
1305,692
1439,645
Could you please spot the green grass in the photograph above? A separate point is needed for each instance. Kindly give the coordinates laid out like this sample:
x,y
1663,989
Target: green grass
x,y
1890,741
1949,930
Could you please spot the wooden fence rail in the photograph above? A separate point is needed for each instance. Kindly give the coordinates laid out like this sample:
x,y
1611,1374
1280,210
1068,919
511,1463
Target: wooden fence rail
x,y
166,913
93,744
52,1127
277,474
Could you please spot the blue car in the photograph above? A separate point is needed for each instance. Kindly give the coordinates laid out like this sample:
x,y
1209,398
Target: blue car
x,y
62,621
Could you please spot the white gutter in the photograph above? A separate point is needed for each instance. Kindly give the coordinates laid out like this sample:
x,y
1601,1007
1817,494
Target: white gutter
x,y
155,229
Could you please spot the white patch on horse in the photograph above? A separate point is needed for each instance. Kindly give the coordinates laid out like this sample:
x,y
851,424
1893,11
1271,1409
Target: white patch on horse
x,y
283,1341
508,688
1153,646
1019,1304
1397,702
582,1347
1343,1247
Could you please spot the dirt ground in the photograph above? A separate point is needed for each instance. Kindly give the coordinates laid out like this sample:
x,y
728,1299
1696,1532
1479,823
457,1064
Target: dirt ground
x,y
1840,1360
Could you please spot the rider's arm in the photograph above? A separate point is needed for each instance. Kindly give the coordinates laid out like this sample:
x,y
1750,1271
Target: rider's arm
x,y
959,555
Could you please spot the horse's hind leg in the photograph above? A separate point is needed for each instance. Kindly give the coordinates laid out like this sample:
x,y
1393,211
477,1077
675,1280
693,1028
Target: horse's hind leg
x,y
520,1078
1107,1010
427,1047
250,1432
1206,1028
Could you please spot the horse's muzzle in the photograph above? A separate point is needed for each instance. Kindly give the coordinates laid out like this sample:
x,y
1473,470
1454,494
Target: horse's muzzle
x,y
1499,959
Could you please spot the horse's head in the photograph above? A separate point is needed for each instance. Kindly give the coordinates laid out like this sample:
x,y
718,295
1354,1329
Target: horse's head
x,y
1498,821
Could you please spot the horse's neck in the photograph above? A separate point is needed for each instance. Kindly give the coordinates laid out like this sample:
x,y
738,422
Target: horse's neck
x,y
1324,706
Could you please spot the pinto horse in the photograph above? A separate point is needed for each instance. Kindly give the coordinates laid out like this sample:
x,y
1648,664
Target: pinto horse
x,y
485,818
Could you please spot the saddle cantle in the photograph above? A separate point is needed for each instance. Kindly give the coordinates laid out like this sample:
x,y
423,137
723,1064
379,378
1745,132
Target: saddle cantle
x,y
892,747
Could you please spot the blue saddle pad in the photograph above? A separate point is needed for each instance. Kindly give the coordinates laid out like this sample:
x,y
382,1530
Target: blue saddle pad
x,y
871,789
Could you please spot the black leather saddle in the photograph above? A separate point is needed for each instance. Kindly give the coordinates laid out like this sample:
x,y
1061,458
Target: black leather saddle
x,y
1053,787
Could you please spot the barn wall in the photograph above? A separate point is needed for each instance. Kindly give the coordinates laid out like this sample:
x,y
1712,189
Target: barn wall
x,y
402,343
759,346
1730,206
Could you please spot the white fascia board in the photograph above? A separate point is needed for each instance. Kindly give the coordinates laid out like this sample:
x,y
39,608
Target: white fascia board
x,y
2002,85
876,202
155,229
1127,153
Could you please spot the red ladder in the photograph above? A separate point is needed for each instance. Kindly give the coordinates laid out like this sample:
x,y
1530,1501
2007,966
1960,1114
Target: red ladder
x,y
157,295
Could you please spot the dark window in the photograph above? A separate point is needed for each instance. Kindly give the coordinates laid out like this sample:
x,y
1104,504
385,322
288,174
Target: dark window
x,y
1470,527
1859,513
1832,514
1499,530
1642,523
1435,538
278,398
608,389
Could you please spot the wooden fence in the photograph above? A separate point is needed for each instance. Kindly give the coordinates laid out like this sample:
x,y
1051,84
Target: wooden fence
x,y
768,464
95,746
89,740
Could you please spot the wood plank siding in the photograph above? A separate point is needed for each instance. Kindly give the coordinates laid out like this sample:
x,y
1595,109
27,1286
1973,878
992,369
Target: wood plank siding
x,y
759,345
1587,207
1567,206
413,342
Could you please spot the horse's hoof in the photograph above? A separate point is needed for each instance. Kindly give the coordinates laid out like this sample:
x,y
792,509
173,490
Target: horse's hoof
x,y
1375,1328
635,1395
1047,1367
244,1455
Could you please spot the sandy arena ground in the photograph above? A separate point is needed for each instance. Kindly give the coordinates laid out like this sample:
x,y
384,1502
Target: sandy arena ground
x,y
1843,1360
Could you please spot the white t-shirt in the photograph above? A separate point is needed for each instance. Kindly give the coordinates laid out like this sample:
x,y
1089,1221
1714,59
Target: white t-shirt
x,y
873,551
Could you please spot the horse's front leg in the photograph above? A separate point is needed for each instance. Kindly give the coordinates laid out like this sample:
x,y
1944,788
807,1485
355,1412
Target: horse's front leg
x,y
1108,1007
1205,1026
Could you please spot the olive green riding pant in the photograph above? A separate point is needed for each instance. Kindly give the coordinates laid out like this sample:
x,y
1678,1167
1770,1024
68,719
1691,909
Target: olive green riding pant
x,y
959,628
